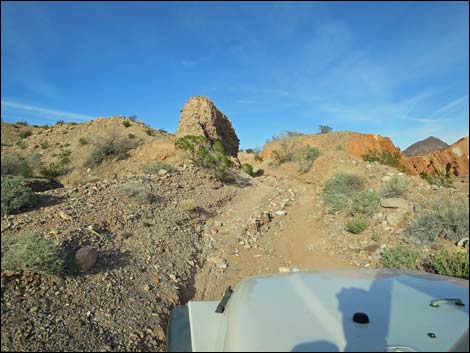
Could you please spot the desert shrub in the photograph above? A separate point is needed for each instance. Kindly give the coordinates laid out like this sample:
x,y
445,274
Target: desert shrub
x,y
137,191
249,150
339,190
365,203
16,195
324,129
109,147
31,253
376,236
15,164
204,154
55,169
287,145
149,131
23,123
357,225
131,136
44,145
126,123
395,187
188,205
73,123
439,180
83,141
447,263
156,166
305,156
132,117
21,144
391,159
60,122
447,217
26,133
258,158
400,257
162,131
247,168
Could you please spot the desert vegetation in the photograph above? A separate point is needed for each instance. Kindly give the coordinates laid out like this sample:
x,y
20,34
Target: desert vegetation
x,y
112,146
29,252
444,217
395,187
205,154
16,195
157,166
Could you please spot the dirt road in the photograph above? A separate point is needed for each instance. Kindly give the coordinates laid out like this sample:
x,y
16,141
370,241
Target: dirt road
x,y
245,240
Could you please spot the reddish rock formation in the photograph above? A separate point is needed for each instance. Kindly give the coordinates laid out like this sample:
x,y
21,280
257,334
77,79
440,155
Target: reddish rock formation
x,y
451,161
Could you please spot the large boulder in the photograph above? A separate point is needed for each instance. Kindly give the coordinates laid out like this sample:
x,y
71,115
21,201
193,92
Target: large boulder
x,y
201,117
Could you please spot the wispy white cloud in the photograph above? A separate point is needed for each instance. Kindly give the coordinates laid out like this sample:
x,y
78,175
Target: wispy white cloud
x,y
451,107
44,112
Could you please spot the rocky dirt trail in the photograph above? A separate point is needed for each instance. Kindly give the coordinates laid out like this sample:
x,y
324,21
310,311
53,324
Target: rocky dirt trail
x,y
276,225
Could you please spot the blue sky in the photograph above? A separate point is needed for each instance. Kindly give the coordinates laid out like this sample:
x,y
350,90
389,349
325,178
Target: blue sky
x,y
397,69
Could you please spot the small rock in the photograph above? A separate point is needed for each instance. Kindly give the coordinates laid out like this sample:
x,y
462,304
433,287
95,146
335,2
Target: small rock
x,y
162,172
85,258
217,261
386,178
395,203
284,269
281,212
396,217
463,243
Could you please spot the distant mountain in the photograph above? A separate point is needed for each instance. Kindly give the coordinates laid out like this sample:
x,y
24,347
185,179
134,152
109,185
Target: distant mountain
x,y
423,147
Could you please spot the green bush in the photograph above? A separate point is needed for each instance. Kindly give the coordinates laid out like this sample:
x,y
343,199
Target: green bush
x,y
391,159
206,155
26,133
16,195
15,164
439,180
109,147
131,136
247,168
258,158
126,123
149,131
324,129
395,187
339,189
83,141
55,169
365,203
155,167
60,122
447,217
23,123
44,145
305,156
30,253
162,131
357,225
132,117
249,150
401,258
446,263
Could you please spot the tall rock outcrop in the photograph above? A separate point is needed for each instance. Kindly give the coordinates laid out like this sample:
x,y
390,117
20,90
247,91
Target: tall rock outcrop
x,y
201,117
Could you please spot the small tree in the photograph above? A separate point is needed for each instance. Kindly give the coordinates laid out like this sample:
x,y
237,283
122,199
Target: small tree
x,y
324,129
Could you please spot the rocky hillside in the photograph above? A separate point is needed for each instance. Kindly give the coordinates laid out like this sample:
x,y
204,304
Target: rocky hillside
x,y
420,148
77,141
451,161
